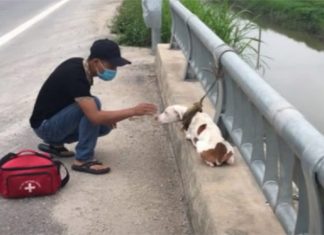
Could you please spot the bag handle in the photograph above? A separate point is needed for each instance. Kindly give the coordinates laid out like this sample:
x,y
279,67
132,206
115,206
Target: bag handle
x,y
26,151
67,176
11,155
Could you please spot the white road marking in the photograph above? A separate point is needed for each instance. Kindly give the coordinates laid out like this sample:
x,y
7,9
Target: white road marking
x,y
21,28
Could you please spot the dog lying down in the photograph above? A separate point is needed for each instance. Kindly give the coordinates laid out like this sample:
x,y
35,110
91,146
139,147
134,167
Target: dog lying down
x,y
204,135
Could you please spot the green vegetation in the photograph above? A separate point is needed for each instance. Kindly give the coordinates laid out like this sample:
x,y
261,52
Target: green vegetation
x,y
305,15
166,22
226,24
130,27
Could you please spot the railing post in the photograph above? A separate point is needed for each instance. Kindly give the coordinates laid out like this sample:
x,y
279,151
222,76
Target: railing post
x,y
152,17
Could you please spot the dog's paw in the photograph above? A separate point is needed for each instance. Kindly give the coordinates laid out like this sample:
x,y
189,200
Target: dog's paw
x,y
188,136
210,164
231,160
194,142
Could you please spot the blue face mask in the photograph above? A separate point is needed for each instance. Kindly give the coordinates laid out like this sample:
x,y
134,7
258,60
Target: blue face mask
x,y
107,74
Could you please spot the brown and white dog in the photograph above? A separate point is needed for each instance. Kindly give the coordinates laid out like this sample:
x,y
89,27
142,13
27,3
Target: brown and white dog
x,y
204,135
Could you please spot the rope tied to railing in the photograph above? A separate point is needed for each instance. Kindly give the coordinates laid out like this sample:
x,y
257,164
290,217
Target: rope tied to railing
x,y
219,73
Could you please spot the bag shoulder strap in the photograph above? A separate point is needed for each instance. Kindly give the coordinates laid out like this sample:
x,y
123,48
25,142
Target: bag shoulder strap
x,y
67,176
7,157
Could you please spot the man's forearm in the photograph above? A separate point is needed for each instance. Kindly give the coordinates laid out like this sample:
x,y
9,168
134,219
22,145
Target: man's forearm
x,y
112,117
98,117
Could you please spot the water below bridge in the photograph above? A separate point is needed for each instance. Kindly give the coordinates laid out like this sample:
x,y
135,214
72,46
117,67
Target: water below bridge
x,y
295,68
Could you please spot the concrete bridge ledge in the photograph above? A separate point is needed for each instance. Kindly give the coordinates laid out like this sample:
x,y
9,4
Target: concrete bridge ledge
x,y
224,200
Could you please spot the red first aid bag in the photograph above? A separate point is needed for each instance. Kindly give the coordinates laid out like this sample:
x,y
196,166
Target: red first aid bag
x,y
30,173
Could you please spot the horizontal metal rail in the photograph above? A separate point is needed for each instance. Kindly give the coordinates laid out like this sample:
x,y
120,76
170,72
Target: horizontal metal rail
x,y
282,149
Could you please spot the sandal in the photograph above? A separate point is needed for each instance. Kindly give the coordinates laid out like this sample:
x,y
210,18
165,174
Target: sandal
x,y
86,167
57,150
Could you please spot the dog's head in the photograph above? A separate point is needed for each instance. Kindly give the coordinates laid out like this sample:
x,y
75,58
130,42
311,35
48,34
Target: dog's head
x,y
222,153
172,113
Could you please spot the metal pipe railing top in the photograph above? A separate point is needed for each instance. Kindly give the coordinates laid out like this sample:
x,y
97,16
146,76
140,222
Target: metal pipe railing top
x,y
287,121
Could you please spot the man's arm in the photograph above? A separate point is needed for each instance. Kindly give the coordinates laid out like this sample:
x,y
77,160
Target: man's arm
x,y
89,108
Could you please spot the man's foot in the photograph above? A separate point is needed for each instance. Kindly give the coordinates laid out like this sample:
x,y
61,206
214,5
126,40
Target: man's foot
x,y
57,150
92,167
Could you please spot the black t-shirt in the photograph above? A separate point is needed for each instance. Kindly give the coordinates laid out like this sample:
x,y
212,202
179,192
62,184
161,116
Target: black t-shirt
x,y
67,82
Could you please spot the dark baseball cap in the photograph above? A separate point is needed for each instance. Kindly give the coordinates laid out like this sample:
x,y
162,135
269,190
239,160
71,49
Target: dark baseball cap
x,y
108,50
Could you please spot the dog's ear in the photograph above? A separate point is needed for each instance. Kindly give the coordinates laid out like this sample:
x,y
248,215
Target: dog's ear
x,y
201,128
178,113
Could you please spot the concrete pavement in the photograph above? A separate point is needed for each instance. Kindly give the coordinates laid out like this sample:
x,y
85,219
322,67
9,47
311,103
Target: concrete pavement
x,y
143,193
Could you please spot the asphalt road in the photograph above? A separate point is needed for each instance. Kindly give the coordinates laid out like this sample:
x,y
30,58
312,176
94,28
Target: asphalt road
x,y
143,193
16,12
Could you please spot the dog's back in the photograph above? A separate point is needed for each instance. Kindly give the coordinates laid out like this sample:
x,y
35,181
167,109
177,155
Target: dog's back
x,y
209,142
203,128
204,134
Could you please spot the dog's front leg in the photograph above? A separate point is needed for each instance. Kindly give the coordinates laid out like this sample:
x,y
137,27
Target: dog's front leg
x,y
188,135
194,141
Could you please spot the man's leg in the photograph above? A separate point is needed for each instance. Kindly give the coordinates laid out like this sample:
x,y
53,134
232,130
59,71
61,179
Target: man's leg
x,y
57,128
88,134
74,137
70,125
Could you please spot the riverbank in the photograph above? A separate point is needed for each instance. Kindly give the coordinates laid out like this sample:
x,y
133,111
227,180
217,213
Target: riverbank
x,y
301,15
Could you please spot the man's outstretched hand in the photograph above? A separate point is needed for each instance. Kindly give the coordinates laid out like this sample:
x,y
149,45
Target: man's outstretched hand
x,y
145,109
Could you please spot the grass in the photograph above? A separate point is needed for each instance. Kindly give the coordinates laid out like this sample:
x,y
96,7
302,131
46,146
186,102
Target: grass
x,y
166,22
226,24
129,24
301,15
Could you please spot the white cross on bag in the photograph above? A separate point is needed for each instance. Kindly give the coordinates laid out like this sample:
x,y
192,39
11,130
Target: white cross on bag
x,y
30,187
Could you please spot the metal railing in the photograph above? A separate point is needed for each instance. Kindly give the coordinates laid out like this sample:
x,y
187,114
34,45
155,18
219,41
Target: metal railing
x,y
280,147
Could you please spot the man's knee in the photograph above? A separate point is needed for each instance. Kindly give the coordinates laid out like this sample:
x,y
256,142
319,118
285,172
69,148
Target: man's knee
x,y
98,102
